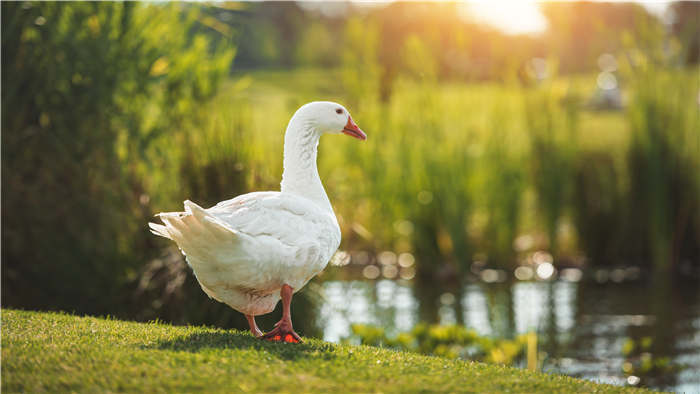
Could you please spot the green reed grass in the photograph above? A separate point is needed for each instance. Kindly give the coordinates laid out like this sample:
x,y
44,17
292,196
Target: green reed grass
x,y
663,161
454,170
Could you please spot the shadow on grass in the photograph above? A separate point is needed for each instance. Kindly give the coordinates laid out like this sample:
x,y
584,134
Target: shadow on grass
x,y
197,342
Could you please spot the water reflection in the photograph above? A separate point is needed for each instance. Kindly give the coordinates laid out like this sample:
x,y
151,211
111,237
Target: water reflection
x,y
385,303
582,327
475,310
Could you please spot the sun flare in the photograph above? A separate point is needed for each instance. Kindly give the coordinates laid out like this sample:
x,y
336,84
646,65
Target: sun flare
x,y
514,17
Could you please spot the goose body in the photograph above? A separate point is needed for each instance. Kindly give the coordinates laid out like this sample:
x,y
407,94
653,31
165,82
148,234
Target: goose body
x,y
250,251
243,250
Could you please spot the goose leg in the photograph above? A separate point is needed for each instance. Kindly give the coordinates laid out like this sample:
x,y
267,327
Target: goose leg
x,y
253,327
283,331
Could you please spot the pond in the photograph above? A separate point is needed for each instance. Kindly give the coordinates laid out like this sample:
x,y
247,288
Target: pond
x,y
583,328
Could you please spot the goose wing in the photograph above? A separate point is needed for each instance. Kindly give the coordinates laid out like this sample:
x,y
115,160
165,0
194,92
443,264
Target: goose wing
x,y
251,241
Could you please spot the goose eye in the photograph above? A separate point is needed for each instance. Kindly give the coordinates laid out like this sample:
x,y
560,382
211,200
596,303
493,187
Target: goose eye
x,y
339,111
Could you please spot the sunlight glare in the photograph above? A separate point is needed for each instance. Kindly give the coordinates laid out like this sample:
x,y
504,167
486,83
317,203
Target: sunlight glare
x,y
512,17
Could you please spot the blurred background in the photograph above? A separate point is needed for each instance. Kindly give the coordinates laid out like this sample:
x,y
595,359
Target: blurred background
x,y
529,193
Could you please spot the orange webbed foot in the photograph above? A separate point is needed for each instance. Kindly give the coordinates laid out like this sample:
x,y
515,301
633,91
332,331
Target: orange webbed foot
x,y
283,332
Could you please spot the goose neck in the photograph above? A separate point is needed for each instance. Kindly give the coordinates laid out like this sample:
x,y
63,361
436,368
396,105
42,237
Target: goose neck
x,y
300,175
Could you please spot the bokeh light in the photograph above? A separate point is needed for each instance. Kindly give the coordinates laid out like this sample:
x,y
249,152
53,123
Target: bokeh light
x,y
390,271
407,273
524,273
371,272
606,81
387,257
571,274
545,271
406,260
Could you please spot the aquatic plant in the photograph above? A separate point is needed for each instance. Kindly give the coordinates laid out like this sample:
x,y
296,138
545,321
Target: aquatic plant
x,y
451,341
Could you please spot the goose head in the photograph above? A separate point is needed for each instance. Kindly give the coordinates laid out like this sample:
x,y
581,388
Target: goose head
x,y
329,117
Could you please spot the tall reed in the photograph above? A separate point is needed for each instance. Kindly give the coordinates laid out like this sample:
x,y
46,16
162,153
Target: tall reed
x,y
551,124
664,161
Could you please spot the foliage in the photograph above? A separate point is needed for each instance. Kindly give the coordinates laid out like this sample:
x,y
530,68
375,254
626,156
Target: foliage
x,y
550,118
686,27
580,31
640,361
87,90
445,341
445,36
598,211
453,172
361,71
503,173
663,161
59,352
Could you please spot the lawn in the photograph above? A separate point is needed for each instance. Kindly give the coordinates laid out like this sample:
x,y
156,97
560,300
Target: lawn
x,y
61,352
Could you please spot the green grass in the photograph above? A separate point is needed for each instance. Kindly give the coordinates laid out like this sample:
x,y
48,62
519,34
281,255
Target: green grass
x,y
60,352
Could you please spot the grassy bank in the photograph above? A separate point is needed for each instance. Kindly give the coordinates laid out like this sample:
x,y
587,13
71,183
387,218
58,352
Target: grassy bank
x,y
59,352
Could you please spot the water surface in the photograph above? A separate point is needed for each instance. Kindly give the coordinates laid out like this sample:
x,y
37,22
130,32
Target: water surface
x,y
582,327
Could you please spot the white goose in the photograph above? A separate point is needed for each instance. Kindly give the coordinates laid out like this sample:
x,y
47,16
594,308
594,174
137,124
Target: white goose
x,y
251,251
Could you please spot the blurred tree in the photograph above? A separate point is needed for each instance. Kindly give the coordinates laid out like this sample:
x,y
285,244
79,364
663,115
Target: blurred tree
x,y
86,88
361,69
318,46
686,26
268,34
417,60
581,31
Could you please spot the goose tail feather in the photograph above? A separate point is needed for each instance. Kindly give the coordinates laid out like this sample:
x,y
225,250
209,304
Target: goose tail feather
x,y
195,230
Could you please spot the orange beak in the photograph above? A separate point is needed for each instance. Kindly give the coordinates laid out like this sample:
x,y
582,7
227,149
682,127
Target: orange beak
x,y
352,130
